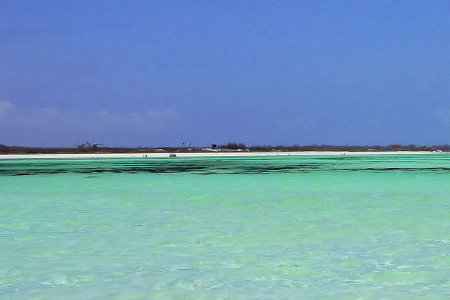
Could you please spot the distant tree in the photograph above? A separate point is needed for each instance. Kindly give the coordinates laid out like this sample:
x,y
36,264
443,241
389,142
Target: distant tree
x,y
232,146
4,148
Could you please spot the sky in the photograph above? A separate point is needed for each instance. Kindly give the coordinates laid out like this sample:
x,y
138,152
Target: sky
x,y
164,73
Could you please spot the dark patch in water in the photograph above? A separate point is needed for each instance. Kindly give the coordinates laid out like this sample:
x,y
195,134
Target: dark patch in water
x,y
214,166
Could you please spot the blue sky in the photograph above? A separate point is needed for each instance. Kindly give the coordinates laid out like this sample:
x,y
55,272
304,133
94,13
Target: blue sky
x,y
159,73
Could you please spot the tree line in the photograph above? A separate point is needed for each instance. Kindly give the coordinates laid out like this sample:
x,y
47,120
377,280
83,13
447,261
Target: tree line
x,y
232,146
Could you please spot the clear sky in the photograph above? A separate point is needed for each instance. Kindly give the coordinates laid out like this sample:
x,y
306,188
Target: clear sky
x,y
159,73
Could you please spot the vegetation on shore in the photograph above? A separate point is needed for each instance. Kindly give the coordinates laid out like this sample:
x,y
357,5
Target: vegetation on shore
x,y
230,147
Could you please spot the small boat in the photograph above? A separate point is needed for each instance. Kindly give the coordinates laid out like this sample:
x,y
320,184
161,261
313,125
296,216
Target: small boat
x,y
172,155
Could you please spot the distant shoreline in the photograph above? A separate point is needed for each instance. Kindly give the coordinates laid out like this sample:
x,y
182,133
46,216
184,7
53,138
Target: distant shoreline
x,y
206,154
230,149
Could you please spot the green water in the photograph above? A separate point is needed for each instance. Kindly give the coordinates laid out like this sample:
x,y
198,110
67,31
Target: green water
x,y
284,227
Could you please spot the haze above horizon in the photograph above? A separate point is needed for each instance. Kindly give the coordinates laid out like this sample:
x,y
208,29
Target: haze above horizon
x,y
160,73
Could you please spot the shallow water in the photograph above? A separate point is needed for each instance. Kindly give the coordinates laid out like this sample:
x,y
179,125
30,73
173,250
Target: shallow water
x,y
240,227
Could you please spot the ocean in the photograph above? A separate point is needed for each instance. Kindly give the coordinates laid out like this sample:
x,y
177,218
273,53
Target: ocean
x,y
267,227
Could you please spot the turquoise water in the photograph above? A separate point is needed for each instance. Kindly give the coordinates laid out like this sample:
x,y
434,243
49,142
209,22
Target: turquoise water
x,y
308,227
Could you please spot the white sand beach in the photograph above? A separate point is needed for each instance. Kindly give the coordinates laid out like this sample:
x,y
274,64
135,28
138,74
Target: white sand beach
x,y
201,154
